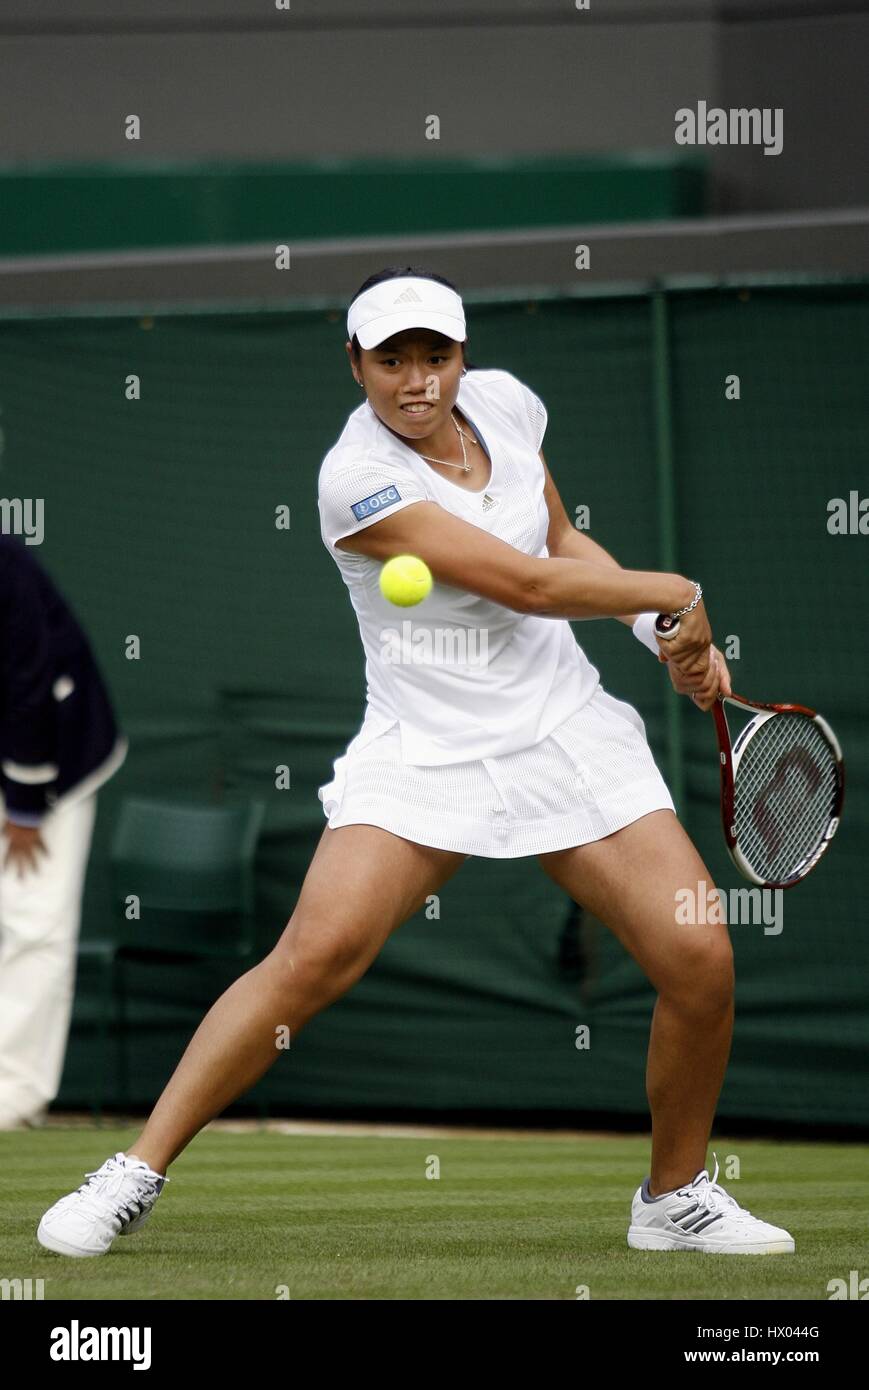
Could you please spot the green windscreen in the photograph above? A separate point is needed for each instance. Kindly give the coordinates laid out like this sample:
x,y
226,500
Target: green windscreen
x,y
87,207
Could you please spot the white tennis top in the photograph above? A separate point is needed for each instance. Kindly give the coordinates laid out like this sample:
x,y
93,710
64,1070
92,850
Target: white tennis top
x,y
464,677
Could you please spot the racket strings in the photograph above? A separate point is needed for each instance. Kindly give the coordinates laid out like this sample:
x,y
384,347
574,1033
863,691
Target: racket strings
x,y
784,795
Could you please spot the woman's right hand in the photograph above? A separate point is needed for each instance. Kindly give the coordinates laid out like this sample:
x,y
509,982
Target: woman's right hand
x,y
704,691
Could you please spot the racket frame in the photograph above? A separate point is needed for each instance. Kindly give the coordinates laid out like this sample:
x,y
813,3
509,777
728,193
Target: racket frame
x,y
730,754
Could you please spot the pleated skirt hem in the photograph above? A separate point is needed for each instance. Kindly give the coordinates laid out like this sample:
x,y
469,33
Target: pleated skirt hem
x,y
512,841
593,775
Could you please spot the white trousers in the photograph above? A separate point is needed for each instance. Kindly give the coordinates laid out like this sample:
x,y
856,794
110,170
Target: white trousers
x,y
40,916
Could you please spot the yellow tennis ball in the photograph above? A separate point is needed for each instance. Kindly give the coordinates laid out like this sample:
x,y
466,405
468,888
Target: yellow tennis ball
x,y
405,580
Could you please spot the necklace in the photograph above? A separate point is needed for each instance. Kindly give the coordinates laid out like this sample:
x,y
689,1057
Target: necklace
x,y
464,465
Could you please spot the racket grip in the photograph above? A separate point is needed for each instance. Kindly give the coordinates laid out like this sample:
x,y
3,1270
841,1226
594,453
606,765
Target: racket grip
x,y
666,627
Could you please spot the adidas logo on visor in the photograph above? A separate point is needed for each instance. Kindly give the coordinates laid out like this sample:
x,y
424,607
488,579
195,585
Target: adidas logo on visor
x,y
409,296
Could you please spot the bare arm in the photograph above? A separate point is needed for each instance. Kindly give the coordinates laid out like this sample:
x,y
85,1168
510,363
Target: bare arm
x,y
469,558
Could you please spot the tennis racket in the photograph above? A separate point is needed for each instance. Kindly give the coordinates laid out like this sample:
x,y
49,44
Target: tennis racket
x,y
782,786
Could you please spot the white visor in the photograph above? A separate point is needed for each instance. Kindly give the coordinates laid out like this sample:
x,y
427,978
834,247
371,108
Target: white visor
x,y
408,301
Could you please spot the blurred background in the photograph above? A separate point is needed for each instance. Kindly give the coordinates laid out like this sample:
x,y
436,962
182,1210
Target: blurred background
x,y
311,127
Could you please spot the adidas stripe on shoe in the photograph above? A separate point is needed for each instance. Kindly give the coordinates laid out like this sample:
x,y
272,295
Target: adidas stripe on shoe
x,y
702,1216
116,1200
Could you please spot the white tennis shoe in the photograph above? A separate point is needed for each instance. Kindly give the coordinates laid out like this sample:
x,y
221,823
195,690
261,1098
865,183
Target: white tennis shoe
x,y
702,1216
116,1200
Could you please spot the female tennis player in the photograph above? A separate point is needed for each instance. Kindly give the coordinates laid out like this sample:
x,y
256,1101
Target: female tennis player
x,y
519,753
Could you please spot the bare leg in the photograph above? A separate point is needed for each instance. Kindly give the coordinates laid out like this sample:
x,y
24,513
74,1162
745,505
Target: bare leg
x,y
362,883
629,881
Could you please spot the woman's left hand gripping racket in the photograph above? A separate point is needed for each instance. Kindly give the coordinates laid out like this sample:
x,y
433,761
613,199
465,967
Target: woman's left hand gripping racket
x,y
782,788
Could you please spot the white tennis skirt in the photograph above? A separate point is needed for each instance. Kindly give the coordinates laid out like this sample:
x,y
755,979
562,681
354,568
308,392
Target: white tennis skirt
x,y
591,776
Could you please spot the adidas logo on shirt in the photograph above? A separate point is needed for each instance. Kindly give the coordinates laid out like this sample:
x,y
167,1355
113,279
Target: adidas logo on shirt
x,y
488,502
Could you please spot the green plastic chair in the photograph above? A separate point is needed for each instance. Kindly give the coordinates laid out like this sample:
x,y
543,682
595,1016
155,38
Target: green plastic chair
x,y
191,868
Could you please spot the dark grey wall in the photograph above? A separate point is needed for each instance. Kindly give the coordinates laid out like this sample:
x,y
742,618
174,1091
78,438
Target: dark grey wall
x,y
815,69
237,78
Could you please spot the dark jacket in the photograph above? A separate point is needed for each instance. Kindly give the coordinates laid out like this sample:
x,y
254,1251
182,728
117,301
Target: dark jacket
x,y
58,737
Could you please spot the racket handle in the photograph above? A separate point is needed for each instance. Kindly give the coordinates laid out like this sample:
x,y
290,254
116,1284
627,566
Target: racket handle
x,y
666,627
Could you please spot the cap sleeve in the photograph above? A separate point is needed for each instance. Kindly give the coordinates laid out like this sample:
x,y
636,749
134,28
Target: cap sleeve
x,y
358,495
533,414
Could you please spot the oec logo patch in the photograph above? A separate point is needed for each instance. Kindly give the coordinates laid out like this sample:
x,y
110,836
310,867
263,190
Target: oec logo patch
x,y
377,502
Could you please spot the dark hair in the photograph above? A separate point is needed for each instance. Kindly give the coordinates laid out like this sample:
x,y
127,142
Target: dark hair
x,y
393,272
